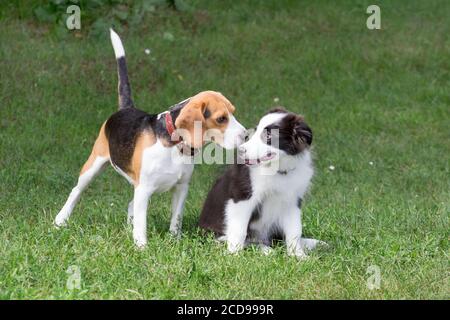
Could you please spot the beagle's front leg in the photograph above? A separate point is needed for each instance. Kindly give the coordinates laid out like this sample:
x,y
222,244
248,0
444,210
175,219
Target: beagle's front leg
x,y
178,199
237,217
142,194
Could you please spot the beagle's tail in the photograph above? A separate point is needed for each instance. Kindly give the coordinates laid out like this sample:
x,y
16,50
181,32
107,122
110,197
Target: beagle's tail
x,y
124,89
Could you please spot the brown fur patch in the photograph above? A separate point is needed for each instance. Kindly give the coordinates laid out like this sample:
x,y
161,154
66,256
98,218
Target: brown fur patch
x,y
100,149
217,106
143,141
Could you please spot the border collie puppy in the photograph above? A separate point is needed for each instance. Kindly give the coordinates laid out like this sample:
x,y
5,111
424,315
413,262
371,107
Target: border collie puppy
x,y
258,199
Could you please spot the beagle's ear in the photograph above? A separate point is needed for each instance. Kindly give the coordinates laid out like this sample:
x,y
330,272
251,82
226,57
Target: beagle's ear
x,y
230,108
190,123
228,104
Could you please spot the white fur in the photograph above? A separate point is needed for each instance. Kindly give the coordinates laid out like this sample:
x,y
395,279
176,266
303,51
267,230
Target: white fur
x,y
160,172
255,148
119,51
234,133
83,181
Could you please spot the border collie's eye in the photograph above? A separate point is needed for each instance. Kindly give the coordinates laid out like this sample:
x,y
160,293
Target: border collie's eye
x,y
267,135
222,119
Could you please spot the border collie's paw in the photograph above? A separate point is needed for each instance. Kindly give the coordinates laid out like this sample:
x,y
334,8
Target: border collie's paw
x,y
299,253
265,249
234,247
312,244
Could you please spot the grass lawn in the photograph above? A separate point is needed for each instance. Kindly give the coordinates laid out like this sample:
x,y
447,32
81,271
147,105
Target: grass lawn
x,y
377,101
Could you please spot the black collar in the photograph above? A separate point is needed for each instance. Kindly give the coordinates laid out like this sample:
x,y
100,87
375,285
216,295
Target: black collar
x,y
285,172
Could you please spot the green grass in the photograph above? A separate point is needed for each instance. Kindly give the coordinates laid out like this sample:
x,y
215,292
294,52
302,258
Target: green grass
x,y
370,96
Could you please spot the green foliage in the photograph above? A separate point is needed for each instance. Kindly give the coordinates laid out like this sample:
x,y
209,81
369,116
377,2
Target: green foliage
x,y
96,15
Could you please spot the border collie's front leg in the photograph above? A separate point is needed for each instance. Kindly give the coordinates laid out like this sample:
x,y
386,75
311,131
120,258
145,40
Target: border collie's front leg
x,y
142,195
291,225
178,198
237,217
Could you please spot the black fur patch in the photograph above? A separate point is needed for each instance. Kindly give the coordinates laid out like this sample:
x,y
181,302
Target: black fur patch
x,y
277,110
122,129
125,100
292,133
234,184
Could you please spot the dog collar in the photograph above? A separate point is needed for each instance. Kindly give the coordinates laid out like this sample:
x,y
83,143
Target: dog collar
x,y
170,127
285,172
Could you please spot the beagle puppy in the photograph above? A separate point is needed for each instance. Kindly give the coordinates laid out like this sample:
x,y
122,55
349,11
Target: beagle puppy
x,y
150,150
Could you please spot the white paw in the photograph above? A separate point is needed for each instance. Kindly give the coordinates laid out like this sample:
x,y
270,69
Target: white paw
x,y
221,239
59,222
266,250
234,247
140,243
311,244
176,233
299,253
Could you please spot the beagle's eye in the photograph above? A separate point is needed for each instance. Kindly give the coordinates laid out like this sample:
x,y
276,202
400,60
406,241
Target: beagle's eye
x,y
222,119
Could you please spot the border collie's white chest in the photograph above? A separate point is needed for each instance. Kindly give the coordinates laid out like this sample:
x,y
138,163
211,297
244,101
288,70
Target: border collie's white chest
x,y
289,181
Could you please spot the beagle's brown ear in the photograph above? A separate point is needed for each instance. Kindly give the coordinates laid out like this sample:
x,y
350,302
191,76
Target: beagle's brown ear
x,y
190,123
230,108
228,104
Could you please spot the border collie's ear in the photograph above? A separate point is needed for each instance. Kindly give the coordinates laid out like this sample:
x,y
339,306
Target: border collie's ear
x,y
303,131
277,110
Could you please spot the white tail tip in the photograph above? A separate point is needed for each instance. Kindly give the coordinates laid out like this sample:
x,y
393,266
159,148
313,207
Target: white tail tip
x,y
117,44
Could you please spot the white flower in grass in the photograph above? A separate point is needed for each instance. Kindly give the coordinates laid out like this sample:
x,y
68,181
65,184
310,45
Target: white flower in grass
x,y
331,167
276,99
371,163
147,51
